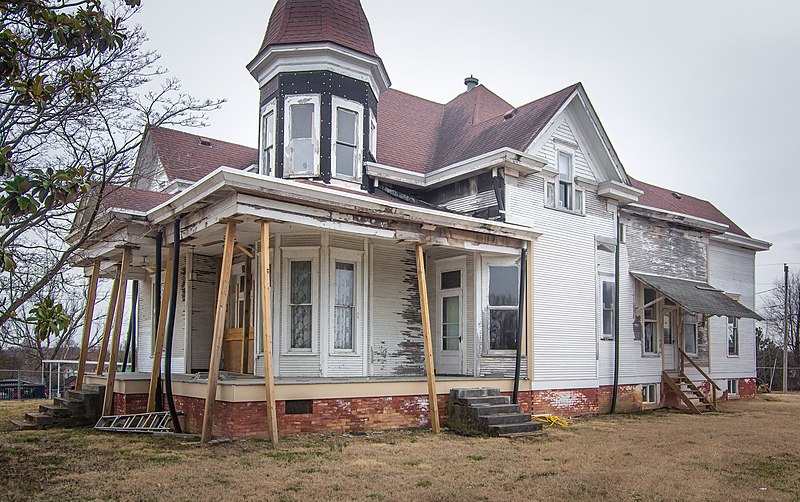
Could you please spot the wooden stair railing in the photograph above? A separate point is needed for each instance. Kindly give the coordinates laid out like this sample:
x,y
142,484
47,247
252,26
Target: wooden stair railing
x,y
714,386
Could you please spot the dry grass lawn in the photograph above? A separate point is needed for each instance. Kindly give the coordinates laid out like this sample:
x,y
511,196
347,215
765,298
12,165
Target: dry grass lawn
x,y
747,452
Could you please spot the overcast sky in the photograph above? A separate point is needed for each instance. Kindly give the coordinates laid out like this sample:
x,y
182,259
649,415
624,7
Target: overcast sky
x,y
697,96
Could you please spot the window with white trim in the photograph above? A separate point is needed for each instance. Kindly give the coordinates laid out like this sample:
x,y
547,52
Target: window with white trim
x,y
346,139
373,135
733,386
733,336
300,289
565,180
650,393
561,190
690,322
345,292
650,338
267,161
301,136
503,306
607,318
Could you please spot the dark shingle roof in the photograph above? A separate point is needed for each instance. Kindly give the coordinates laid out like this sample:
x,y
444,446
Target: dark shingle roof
x,y
342,22
133,199
183,157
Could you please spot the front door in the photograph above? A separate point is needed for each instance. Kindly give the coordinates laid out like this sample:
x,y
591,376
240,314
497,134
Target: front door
x,y
450,333
670,337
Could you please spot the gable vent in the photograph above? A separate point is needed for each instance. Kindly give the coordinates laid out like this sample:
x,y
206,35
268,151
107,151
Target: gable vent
x,y
205,142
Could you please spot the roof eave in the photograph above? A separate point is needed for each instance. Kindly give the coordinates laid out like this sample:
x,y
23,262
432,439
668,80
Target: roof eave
x,y
677,218
742,241
620,192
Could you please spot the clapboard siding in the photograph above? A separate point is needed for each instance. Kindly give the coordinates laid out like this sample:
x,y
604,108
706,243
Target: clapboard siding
x,y
564,136
144,342
661,248
472,202
732,269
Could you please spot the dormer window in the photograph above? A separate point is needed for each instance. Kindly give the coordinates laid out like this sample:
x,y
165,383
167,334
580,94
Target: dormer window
x,y
346,139
301,155
268,139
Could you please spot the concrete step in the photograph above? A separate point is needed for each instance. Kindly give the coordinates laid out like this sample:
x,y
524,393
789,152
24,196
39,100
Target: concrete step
x,y
55,411
503,429
480,401
493,409
506,418
523,435
40,419
458,394
24,425
80,395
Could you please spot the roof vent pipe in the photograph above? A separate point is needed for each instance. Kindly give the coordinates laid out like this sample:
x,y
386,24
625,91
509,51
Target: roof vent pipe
x,y
471,82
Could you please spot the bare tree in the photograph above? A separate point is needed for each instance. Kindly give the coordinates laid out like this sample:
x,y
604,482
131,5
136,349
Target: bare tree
x,y
773,313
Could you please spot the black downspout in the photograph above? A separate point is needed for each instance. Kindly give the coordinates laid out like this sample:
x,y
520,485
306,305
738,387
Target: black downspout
x,y
616,318
173,304
520,316
131,327
157,306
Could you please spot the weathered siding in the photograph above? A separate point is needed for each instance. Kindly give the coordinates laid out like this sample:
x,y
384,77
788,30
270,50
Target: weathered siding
x,y
203,282
660,248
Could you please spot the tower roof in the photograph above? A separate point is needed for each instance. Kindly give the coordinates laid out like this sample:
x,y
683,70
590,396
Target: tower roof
x,y
342,22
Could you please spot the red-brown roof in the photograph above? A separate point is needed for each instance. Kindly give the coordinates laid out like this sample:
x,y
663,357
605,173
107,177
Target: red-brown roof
x,y
133,199
421,136
670,200
342,22
184,157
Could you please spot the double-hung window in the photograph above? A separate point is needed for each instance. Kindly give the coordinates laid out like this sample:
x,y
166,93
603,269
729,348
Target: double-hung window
x,y
301,291
690,334
608,317
301,150
347,128
650,322
503,303
268,139
565,181
345,294
733,336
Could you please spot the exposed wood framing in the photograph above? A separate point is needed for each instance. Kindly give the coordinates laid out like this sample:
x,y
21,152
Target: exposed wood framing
x,y
266,316
219,330
248,287
87,324
108,403
112,303
158,344
433,404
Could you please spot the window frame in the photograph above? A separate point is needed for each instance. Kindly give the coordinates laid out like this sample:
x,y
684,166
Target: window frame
x,y
559,182
696,325
735,386
601,308
269,108
355,258
553,182
301,99
486,308
358,109
292,254
651,397
733,328
373,135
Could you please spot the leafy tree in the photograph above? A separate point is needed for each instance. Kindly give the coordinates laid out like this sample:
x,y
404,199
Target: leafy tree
x,y
77,92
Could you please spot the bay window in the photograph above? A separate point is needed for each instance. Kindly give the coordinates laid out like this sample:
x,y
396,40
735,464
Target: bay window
x,y
267,161
346,139
301,152
300,288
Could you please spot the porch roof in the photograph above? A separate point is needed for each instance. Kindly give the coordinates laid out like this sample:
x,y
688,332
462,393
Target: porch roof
x,y
697,297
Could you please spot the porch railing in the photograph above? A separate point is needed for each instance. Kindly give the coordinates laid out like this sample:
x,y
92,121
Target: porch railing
x,y
685,357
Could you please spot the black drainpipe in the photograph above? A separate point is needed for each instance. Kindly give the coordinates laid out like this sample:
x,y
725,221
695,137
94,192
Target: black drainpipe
x,y
171,325
616,318
157,307
520,313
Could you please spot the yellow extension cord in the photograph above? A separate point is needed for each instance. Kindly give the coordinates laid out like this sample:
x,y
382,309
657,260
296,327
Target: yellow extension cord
x,y
551,420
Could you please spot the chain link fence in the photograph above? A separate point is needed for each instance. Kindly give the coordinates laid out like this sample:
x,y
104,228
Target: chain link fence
x,y
772,377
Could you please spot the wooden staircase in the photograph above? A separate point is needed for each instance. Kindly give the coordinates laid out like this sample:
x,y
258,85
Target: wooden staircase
x,y
689,393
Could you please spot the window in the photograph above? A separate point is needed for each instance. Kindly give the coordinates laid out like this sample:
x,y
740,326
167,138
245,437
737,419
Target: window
x,y
733,386
450,304
373,135
301,307
667,317
733,336
608,309
344,305
650,393
503,300
565,180
690,333
650,322
268,139
551,194
301,155
347,129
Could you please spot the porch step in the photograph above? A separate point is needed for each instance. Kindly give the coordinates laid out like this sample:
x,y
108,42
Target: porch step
x,y
40,419
493,409
24,425
480,401
507,418
54,410
687,392
81,407
506,429
479,392
485,411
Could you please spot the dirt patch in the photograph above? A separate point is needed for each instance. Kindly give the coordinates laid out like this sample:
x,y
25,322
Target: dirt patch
x,y
746,452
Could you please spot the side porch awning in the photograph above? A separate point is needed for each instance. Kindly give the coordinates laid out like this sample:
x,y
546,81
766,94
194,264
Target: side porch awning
x,y
697,297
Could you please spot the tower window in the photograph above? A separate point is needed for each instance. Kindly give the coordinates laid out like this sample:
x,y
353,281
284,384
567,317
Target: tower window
x,y
268,139
301,156
347,127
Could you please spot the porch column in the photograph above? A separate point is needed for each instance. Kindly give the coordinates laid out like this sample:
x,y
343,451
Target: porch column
x,y
108,402
529,313
112,302
433,404
266,316
219,329
158,344
87,324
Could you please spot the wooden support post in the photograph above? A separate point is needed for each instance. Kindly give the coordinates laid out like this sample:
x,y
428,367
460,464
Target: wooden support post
x,y
87,325
219,330
433,404
112,303
529,314
158,344
248,293
266,317
108,402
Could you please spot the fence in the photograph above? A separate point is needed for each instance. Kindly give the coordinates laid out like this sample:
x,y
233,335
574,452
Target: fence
x,y
55,377
772,376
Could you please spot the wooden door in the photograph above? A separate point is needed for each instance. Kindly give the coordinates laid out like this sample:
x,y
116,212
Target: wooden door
x,y
240,315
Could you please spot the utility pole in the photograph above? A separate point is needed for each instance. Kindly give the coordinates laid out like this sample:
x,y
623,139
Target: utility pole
x,y
785,328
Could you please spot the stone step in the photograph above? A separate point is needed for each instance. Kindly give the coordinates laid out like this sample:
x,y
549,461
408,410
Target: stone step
x,y
93,387
506,418
24,425
80,395
40,419
523,435
481,401
55,411
458,394
493,409
503,429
